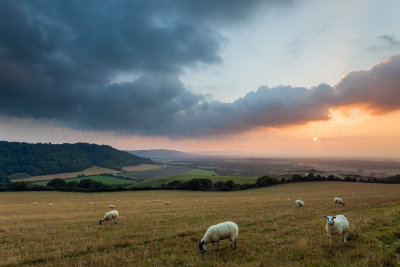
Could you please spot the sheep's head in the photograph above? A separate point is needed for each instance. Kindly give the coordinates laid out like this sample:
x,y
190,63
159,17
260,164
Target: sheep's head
x,y
101,222
202,247
330,220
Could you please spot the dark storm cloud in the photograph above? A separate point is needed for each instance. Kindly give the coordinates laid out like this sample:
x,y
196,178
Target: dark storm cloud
x,y
59,60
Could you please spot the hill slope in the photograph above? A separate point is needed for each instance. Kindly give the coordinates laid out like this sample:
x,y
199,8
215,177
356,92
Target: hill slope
x,y
40,159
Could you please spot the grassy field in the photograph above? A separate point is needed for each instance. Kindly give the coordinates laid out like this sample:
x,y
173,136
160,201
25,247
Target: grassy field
x,y
272,232
104,179
194,174
90,171
202,172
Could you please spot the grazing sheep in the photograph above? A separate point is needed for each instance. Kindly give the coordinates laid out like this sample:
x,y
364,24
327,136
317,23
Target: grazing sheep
x,y
167,203
337,225
218,232
34,203
93,203
196,201
111,206
110,216
254,199
9,203
299,203
338,200
50,204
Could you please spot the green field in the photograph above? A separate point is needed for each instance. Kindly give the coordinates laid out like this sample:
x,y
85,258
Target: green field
x,y
100,178
201,172
195,174
272,232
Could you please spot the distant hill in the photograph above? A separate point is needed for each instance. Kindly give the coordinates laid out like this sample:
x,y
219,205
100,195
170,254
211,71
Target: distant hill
x,y
162,154
41,159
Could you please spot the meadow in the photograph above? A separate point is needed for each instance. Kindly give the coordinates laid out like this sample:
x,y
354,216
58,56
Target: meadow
x,y
272,232
195,174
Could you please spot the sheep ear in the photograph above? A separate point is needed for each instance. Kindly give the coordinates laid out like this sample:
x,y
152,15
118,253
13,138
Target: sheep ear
x,y
334,217
326,217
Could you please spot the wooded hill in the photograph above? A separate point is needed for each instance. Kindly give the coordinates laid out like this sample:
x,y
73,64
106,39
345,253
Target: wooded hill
x,y
40,159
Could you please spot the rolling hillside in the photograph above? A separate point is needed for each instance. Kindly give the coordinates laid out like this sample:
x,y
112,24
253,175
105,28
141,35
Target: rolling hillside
x,y
41,159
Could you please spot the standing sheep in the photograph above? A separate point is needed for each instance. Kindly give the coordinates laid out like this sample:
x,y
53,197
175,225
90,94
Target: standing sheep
x,y
218,232
110,216
299,203
111,206
337,225
338,200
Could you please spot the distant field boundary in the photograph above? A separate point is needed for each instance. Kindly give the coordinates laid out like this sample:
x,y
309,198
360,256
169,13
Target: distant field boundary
x,y
141,167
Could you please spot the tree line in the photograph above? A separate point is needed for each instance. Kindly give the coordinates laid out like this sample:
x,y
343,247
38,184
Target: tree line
x,y
199,184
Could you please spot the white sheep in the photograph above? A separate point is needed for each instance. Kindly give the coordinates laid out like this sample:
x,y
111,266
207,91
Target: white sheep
x,y
338,200
50,204
110,216
299,203
337,225
167,203
218,232
196,201
34,203
111,206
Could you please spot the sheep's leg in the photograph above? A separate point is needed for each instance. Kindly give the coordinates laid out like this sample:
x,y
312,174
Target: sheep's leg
x,y
218,245
212,249
330,242
234,244
345,237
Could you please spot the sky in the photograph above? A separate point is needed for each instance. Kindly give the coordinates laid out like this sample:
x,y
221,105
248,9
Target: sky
x,y
248,78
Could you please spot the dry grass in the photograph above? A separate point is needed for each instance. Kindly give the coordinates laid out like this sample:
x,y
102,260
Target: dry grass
x,y
141,167
94,170
272,232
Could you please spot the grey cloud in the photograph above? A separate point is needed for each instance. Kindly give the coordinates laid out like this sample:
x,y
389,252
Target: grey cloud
x,y
385,43
377,89
390,40
57,59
